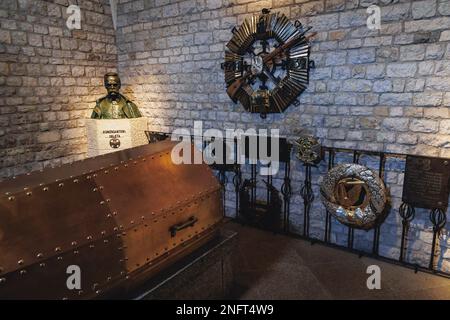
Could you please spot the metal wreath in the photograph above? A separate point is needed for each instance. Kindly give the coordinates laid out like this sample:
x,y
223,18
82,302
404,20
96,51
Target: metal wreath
x,y
370,212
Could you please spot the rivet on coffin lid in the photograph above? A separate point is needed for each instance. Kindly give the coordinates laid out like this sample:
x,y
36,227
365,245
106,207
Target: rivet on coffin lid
x,y
2,280
42,265
39,255
108,200
114,213
101,187
11,198
57,249
23,272
80,292
89,238
95,286
105,241
132,222
45,189
109,278
64,298
116,168
91,246
109,215
7,193
106,171
76,252
61,185
73,243
102,202
126,165
29,193
20,262
103,232
143,217
59,258
75,181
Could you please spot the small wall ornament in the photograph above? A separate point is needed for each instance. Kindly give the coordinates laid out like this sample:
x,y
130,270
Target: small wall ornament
x,y
355,196
267,63
309,150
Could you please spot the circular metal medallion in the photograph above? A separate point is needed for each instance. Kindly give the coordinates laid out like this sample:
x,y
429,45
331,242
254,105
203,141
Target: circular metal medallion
x,y
309,150
355,196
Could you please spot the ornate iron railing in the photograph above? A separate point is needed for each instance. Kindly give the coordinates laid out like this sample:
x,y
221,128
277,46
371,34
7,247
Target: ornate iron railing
x,y
407,213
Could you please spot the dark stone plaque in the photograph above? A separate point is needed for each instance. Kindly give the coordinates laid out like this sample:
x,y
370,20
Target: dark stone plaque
x,y
426,182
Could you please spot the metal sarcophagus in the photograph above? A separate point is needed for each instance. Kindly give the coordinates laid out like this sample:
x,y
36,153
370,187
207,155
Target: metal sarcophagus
x,y
115,220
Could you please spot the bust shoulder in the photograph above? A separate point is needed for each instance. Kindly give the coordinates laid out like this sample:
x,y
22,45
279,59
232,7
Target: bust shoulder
x,y
125,98
100,100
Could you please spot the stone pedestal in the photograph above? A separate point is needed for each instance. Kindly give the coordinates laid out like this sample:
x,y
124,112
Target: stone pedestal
x,y
205,274
105,136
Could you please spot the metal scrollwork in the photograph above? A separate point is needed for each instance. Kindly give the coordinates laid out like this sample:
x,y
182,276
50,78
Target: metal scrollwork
x,y
355,196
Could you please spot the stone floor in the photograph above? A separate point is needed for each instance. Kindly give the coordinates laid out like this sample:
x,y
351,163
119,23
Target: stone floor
x,y
271,266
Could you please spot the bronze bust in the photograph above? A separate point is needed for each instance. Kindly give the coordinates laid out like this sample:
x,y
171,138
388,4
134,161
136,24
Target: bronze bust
x,y
114,105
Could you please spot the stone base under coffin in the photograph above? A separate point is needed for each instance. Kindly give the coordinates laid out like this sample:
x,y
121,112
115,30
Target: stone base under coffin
x,y
110,135
207,273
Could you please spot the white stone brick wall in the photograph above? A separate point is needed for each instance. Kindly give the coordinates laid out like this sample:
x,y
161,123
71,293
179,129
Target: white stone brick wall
x,y
50,78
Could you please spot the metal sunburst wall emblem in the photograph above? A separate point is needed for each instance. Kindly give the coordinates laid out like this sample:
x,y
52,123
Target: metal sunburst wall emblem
x,y
267,63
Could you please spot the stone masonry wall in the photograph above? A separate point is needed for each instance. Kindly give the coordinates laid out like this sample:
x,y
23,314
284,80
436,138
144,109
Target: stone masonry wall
x,y
50,77
386,89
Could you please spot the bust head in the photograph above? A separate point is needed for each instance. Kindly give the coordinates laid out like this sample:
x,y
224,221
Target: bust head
x,y
112,83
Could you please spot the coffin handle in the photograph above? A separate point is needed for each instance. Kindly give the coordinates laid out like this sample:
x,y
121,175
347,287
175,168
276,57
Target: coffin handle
x,y
183,225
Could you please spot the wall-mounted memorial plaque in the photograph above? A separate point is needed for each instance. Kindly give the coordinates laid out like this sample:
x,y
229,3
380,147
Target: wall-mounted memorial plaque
x,y
426,182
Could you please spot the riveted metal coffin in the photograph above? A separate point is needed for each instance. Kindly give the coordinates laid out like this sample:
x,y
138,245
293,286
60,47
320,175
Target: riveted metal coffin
x,y
120,217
